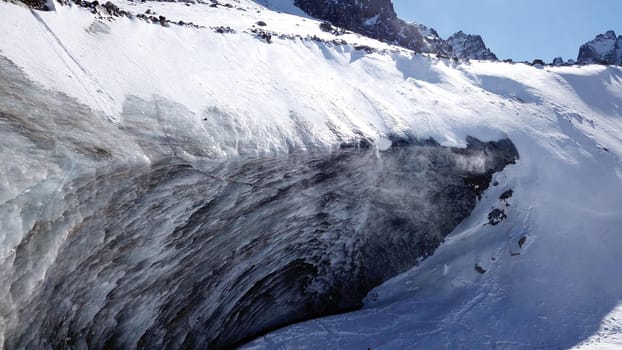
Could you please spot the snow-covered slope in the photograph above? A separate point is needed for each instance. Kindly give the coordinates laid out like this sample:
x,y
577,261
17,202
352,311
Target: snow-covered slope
x,y
544,277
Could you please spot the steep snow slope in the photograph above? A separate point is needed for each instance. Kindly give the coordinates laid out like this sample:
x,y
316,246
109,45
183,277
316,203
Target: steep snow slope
x,y
566,123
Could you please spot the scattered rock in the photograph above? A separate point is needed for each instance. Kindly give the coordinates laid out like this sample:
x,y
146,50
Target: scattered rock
x,y
261,23
261,34
36,4
506,195
224,30
480,269
326,26
364,48
522,241
111,8
496,216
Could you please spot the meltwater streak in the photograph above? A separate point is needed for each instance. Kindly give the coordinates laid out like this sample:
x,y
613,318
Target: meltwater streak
x,y
101,248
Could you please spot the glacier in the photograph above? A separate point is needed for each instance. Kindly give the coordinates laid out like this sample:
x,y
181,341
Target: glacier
x,y
179,187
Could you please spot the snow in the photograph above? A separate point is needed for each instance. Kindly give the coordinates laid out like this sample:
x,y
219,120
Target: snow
x,y
609,335
285,6
562,290
371,21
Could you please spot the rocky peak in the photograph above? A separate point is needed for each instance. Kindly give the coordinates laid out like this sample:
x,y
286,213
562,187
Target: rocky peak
x,y
469,46
377,19
604,49
374,18
610,35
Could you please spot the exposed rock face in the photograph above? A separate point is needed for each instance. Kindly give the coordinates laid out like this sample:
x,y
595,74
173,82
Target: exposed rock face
x,y
377,19
374,18
604,49
36,4
470,46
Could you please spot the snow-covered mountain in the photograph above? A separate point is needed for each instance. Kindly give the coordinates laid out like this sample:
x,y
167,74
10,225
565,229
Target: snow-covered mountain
x,y
192,175
604,49
377,19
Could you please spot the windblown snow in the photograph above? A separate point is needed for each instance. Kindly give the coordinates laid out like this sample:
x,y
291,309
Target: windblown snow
x,y
545,276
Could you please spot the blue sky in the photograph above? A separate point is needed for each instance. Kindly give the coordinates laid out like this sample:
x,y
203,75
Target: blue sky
x,y
519,29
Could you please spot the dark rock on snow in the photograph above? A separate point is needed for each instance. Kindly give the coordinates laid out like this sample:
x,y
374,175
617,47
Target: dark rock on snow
x,y
496,216
604,49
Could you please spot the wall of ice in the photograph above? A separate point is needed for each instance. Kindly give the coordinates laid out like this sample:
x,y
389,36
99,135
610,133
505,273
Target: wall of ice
x,y
153,233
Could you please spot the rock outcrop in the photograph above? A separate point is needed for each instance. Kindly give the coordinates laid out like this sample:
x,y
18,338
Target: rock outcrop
x,y
469,46
377,19
604,49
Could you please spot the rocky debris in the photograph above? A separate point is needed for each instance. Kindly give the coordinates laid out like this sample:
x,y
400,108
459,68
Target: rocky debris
x,y
604,49
223,30
36,4
496,216
538,62
506,195
326,27
261,23
558,61
263,35
470,46
112,8
507,152
377,19
365,48
109,9
329,28
480,269
522,241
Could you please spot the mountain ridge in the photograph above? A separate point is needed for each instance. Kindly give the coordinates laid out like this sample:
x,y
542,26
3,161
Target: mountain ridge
x,y
378,19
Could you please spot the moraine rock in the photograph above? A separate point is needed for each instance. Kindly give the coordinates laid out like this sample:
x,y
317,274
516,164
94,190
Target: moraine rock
x,y
604,49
